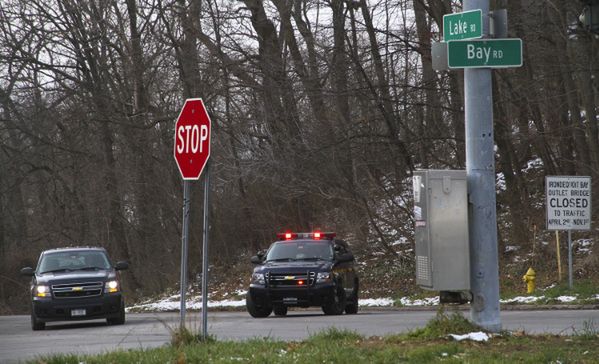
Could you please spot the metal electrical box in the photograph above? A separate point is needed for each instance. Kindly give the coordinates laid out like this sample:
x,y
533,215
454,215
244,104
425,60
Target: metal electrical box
x,y
441,219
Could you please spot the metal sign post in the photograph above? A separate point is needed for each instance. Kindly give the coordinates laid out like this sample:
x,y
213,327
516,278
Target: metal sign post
x,y
184,244
478,57
480,167
205,254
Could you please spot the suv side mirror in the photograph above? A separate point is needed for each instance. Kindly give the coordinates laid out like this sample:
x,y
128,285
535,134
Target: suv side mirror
x,y
122,265
345,257
27,271
256,259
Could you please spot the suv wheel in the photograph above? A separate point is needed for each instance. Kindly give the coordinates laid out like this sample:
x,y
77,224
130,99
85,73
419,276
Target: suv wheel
x,y
337,303
352,307
120,319
37,324
280,310
256,311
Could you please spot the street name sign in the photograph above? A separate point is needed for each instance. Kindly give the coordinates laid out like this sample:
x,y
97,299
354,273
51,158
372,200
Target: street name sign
x,y
484,53
466,25
192,139
568,202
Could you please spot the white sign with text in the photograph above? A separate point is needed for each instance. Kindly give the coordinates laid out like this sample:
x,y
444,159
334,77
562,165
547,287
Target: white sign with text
x,y
568,202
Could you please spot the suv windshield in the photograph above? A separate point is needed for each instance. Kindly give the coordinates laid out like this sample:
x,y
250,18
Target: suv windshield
x,y
73,260
300,250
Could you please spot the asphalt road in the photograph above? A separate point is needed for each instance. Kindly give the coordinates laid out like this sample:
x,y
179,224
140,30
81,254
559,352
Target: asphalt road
x,y
18,342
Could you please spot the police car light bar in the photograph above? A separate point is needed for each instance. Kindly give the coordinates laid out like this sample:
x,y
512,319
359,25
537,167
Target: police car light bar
x,y
316,235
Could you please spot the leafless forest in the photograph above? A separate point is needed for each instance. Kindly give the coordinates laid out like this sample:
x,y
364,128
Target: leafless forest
x,y
321,109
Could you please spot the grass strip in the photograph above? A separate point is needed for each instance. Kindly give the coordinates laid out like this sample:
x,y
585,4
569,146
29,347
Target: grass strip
x,y
430,344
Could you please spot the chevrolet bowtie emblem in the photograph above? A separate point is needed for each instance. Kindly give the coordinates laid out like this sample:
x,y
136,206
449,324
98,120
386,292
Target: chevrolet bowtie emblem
x,y
289,277
77,289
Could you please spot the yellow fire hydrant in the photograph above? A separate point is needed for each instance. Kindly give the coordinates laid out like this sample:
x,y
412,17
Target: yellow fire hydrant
x,y
529,279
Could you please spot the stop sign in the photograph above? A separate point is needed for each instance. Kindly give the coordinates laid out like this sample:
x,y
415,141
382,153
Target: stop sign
x,y
192,139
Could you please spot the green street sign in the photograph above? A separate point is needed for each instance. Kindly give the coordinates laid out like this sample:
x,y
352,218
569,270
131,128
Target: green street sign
x,y
484,53
466,25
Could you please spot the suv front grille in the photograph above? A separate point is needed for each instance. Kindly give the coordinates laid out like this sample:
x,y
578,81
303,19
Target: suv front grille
x,y
290,279
77,290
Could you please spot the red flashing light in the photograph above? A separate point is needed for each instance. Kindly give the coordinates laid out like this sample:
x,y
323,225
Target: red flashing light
x,y
301,283
286,236
316,235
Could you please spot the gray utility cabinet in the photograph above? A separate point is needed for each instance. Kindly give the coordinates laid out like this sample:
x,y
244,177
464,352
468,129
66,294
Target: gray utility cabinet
x,y
441,219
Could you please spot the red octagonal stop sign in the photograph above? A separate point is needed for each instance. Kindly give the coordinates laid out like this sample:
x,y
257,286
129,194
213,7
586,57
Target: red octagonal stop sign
x,y
192,139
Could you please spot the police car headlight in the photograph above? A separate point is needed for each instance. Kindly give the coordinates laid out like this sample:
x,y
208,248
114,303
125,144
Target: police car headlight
x,y
111,286
323,277
42,291
258,278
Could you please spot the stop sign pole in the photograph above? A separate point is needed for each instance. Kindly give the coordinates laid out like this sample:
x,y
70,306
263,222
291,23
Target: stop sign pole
x,y
192,151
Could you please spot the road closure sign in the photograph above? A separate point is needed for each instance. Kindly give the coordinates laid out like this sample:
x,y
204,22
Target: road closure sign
x,y
568,202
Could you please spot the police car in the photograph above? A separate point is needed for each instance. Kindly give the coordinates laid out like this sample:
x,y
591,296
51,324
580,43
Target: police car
x,y
303,270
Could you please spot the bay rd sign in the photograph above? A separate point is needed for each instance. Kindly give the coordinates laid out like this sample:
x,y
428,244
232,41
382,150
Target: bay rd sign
x,y
192,139
484,53
465,25
568,202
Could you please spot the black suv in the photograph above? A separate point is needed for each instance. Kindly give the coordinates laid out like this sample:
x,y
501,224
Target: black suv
x,y
75,284
302,270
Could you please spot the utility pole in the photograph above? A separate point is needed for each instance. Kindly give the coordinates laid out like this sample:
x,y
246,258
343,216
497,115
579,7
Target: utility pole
x,y
480,168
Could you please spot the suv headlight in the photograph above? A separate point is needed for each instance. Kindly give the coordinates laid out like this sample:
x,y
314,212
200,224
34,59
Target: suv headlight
x,y
111,286
323,277
258,278
42,291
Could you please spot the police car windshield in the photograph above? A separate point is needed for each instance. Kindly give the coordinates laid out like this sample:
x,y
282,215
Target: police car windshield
x,y
300,250
73,260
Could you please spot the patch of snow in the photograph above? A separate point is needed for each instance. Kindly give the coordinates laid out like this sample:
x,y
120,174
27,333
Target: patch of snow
x,y
522,299
225,303
370,302
159,306
584,245
511,248
566,298
401,240
533,164
474,336
549,287
173,303
429,301
500,182
241,292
